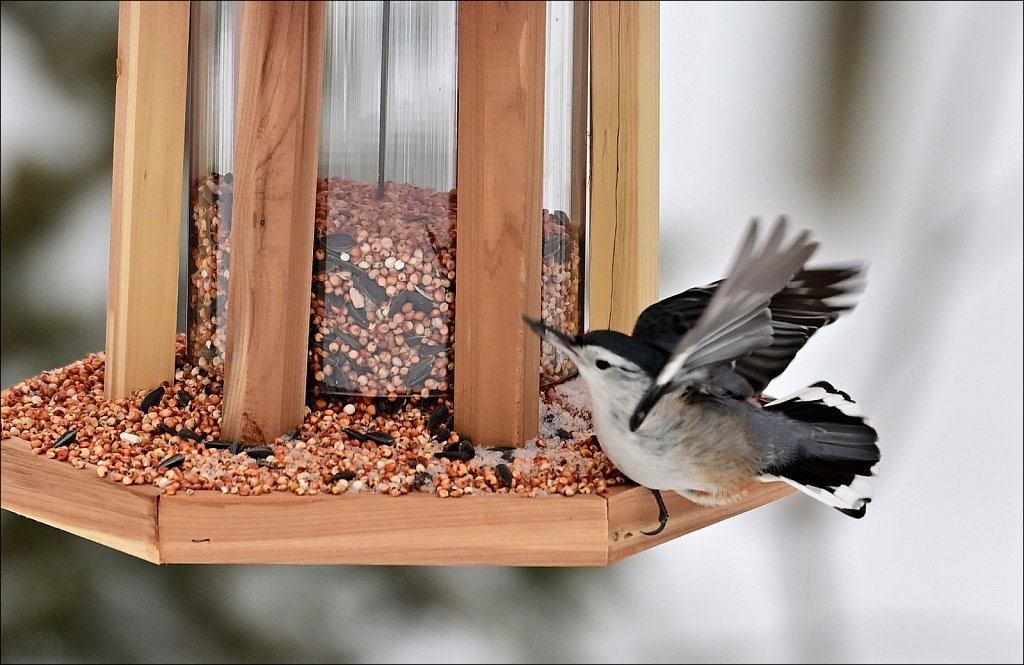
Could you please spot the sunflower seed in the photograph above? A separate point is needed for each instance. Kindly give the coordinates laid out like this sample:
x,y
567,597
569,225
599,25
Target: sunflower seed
x,y
339,242
359,316
419,373
359,368
66,439
504,475
383,406
336,263
166,429
343,475
258,452
370,288
555,247
382,438
339,380
397,303
152,399
421,478
186,433
460,450
420,300
432,350
390,406
439,415
353,343
172,461
563,433
356,434
184,399
507,452
219,445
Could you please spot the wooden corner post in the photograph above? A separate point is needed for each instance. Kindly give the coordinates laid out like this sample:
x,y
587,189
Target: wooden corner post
x,y
624,200
500,182
145,228
280,84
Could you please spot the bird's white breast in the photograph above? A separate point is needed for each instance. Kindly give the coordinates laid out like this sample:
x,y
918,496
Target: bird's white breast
x,y
664,453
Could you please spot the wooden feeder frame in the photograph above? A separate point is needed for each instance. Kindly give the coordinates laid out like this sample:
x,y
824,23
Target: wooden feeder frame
x,y
501,97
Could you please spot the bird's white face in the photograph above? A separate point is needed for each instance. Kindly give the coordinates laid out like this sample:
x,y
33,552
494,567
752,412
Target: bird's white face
x,y
615,384
608,375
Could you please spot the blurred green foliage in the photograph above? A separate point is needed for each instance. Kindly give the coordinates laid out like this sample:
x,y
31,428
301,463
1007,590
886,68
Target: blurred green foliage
x,y
78,48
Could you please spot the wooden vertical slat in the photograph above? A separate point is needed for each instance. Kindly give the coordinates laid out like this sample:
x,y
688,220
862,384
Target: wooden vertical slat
x,y
624,201
277,139
500,182
580,107
580,130
146,210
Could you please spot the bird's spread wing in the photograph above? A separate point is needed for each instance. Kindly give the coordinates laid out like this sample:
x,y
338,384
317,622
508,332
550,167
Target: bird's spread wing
x,y
814,298
665,322
736,320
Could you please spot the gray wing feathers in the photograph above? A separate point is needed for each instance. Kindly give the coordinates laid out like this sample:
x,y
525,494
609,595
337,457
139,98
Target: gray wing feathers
x,y
736,320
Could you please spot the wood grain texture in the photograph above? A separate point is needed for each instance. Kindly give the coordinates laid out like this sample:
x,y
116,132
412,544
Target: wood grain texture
x,y
633,510
497,530
579,190
624,202
358,528
277,140
79,502
146,211
500,182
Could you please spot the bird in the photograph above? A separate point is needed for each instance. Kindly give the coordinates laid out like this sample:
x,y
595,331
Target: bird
x,y
679,404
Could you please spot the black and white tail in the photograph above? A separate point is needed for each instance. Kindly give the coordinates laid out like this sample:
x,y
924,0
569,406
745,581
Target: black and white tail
x,y
834,464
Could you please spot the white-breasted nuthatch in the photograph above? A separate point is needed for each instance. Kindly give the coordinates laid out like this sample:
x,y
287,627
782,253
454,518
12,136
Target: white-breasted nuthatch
x,y
678,405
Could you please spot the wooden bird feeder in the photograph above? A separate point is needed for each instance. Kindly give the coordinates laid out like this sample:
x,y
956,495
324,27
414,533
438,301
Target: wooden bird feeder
x,y
328,136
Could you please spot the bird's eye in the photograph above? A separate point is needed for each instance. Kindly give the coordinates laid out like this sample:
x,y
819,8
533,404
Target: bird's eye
x,y
603,364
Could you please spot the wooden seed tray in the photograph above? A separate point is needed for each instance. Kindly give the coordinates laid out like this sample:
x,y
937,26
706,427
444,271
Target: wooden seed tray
x,y
358,528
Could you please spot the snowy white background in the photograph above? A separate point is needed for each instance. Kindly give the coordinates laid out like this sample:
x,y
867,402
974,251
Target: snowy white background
x,y
902,147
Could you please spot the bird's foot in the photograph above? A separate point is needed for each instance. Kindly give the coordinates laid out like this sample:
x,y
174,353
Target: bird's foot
x,y
662,515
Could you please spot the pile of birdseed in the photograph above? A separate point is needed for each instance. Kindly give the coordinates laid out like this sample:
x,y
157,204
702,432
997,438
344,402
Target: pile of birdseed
x,y
382,297
170,437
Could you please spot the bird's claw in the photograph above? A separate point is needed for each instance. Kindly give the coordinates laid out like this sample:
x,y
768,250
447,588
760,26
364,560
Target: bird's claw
x,y
662,515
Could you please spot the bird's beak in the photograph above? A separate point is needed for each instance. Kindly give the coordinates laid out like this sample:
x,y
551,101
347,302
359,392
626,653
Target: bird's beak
x,y
555,338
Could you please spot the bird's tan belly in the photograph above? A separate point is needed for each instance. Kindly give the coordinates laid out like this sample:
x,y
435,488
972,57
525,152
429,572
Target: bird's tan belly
x,y
705,454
